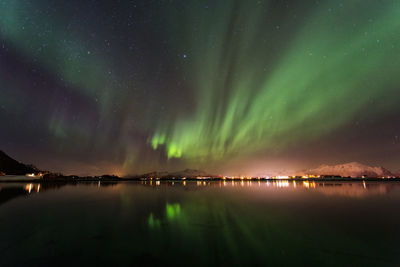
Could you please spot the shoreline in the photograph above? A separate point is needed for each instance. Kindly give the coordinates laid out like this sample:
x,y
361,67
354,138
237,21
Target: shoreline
x,y
23,179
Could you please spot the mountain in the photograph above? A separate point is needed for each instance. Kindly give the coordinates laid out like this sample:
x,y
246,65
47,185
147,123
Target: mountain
x,y
352,169
155,174
12,167
189,173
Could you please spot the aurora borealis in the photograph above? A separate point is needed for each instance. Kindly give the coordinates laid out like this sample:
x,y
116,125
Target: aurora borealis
x,y
227,86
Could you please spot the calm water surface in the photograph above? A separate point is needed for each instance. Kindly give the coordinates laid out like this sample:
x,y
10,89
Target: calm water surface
x,y
200,224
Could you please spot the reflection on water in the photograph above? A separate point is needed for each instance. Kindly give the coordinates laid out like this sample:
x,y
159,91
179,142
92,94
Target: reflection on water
x,y
200,223
9,191
347,188
334,187
172,212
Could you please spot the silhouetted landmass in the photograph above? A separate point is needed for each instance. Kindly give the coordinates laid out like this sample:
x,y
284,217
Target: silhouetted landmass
x,y
67,178
10,166
187,173
350,171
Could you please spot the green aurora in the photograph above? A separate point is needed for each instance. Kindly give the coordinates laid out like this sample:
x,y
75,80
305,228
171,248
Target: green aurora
x,y
134,87
336,64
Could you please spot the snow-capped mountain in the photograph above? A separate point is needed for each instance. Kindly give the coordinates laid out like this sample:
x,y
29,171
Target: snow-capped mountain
x,y
352,169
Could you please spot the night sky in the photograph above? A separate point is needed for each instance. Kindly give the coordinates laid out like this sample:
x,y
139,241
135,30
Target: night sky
x,y
232,87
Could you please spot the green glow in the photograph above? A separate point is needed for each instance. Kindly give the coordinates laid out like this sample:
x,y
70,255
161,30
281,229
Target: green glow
x,y
173,214
338,65
223,82
46,40
153,223
59,50
158,140
173,211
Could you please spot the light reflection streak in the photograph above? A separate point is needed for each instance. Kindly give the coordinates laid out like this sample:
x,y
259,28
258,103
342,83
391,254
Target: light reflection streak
x,y
29,188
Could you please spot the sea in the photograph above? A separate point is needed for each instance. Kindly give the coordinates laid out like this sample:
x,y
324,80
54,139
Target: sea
x,y
200,223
